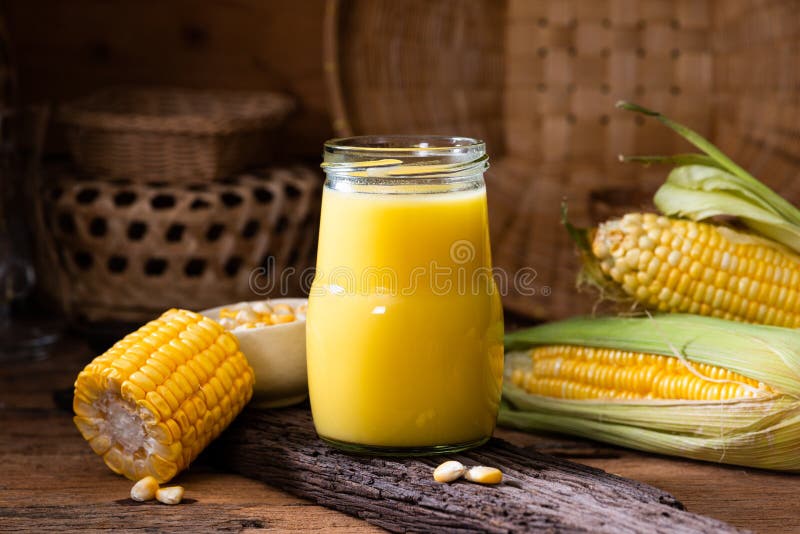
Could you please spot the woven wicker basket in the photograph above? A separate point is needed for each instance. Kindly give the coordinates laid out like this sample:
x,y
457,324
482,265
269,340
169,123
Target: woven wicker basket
x,y
128,251
146,134
538,81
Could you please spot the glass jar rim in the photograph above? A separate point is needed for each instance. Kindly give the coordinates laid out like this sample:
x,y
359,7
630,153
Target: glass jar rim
x,y
404,144
405,156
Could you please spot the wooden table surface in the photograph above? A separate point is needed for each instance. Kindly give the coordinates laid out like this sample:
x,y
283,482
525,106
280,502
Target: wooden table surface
x,y
50,479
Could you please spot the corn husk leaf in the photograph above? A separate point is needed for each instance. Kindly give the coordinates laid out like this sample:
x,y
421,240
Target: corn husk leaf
x,y
763,431
719,158
676,159
711,184
699,192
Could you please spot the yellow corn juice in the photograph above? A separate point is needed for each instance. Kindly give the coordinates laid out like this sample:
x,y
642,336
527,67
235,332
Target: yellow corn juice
x,y
404,325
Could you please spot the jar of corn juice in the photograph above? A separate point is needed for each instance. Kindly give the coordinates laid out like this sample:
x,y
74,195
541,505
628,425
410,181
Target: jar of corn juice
x,y
404,324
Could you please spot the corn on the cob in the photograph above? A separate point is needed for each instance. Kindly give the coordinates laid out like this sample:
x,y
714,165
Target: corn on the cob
x,y
677,384
683,266
155,399
576,372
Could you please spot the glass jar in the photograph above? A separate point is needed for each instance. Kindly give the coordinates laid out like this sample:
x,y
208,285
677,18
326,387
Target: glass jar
x,y
404,325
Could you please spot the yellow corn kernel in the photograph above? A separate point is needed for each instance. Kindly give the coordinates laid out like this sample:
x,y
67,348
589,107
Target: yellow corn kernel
x,y
484,475
282,309
699,268
284,318
170,495
262,307
145,489
227,313
246,316
449,471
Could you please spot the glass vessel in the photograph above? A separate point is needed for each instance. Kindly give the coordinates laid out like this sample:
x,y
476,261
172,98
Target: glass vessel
x,y
23,336
405,325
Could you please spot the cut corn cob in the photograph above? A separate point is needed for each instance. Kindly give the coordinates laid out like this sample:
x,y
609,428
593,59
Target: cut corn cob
x,y
673,265
678,384
155,399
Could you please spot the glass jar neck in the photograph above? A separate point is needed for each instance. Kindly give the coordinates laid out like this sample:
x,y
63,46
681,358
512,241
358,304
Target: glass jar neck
x,y
405,164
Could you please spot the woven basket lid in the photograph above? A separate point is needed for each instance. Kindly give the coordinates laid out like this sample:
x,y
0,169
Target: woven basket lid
x,y
176,110
538,81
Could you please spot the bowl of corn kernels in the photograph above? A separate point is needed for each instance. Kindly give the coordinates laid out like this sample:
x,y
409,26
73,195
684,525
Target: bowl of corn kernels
x,y
272,336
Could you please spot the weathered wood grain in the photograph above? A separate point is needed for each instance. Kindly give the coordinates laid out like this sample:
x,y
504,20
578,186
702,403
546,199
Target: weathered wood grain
x,y
539,492
52,481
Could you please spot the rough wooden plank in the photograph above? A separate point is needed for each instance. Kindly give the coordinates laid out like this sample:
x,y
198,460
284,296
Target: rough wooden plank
x,y
51,481
540,492
46,463
748,498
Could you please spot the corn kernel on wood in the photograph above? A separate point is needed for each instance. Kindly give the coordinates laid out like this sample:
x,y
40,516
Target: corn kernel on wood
x,y
145,489
152,402
449,471
170,495
484,475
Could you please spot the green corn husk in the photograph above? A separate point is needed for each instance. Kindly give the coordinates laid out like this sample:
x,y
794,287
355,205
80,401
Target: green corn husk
x,y
711,184
700,192
763,431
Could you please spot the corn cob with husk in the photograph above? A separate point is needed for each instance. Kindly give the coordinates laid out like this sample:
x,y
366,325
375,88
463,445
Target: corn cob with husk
x,y
152,402
677,265
684,385
689,266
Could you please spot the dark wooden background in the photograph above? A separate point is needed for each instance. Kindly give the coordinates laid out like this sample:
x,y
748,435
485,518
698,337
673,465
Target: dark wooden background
x,y
64,49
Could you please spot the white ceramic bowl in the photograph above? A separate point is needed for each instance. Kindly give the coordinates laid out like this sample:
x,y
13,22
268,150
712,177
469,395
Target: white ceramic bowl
x,y
277,354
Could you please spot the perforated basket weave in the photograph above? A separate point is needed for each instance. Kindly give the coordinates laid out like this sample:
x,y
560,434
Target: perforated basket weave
x,y
128,251
146,134
538,81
